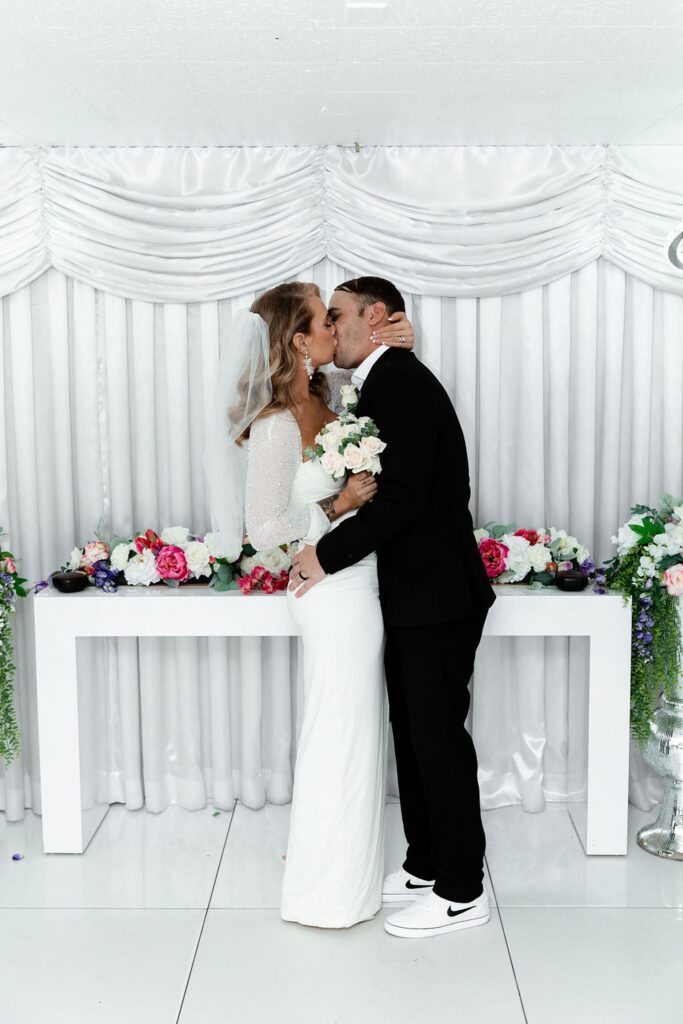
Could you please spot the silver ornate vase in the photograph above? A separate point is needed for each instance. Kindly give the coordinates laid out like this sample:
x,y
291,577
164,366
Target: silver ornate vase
x,y
664,752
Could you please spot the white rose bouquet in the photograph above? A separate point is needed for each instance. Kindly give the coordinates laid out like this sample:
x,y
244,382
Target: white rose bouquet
x,y
349,444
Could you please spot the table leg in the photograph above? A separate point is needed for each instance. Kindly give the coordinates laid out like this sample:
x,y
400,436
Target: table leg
x,y
602,822
67,826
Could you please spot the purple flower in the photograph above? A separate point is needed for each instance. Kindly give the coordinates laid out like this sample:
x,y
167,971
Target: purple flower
x,y
587,567
40,585
104,577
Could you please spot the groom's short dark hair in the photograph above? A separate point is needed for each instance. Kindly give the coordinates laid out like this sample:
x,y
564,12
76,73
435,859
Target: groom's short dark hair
x,y
374,289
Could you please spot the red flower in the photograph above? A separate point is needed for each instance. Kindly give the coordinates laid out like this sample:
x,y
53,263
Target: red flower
x,y
493,555
530,535
246,584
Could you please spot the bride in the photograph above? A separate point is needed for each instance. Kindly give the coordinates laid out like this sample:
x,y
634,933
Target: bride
x,y
280,400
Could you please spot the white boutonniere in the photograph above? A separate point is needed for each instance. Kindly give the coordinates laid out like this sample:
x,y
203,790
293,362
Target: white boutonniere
x,y
349,397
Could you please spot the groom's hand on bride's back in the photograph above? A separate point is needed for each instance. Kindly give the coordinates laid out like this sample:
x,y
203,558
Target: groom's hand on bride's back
x,y
306,571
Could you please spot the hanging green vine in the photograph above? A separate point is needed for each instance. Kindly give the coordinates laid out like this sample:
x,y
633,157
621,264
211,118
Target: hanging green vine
x,y
648,568
11,587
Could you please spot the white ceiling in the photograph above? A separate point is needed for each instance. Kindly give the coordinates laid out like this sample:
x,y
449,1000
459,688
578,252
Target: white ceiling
x,y
286,72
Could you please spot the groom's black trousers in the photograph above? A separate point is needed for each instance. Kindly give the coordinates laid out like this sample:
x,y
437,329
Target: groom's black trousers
x,y
428,669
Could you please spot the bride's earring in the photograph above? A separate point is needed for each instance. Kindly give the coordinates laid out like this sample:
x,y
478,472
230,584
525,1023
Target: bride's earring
x,y
308,366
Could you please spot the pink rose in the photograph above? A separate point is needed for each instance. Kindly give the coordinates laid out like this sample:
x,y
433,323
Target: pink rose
x,y
493,555
673,580
95,551
9,566
171,563
565,566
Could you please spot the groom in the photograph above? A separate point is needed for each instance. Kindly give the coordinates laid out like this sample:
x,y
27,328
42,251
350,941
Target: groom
x,y
435,596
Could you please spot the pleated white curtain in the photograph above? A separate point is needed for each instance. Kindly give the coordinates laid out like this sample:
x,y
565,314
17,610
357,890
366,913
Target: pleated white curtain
x,y
571,398
192,224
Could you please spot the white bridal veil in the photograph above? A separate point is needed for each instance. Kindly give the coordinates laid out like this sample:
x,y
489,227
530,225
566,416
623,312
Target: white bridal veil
x,y
243,389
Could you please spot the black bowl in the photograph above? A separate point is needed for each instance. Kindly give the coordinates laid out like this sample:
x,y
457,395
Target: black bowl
x,y
71,582
571,580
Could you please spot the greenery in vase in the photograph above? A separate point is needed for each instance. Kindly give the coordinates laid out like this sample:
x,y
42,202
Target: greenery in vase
x,y
648,568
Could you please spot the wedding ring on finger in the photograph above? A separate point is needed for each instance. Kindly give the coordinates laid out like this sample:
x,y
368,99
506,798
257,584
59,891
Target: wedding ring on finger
x,y
402,338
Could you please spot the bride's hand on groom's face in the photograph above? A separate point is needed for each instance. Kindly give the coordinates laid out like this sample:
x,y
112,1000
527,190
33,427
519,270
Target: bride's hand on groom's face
x,y
399,326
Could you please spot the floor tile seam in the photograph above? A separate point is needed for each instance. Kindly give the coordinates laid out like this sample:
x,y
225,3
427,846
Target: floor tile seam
x,y
505,940
585,906
204,919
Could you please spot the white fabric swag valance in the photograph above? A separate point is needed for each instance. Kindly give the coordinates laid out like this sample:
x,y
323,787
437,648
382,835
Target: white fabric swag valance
x,y
193,224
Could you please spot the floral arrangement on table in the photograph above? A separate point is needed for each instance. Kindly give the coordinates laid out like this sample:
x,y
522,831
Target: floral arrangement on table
x,y
176,556
648,568
349,444
11,587
530,556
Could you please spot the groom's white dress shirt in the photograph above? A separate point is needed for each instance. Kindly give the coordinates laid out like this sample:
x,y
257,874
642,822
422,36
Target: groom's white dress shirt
x,y
359,375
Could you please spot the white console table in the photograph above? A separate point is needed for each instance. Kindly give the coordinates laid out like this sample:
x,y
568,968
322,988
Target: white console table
x,y
600,821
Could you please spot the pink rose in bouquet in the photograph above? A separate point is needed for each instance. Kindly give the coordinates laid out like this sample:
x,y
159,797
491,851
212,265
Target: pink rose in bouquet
x,y
673,580
95,551
171,563
493,554
8,565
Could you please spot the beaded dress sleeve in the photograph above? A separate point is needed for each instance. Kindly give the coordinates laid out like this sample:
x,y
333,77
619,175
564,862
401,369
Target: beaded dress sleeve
x,y
273,461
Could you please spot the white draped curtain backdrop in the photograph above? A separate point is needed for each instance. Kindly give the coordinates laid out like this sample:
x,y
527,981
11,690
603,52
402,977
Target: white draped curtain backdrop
x,y
539,286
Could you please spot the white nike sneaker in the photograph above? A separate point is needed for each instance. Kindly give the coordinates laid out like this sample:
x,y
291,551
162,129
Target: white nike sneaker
x,y
433,915
399,887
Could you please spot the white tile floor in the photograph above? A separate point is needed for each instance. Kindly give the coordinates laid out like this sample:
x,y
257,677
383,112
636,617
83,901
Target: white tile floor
x,y
173,919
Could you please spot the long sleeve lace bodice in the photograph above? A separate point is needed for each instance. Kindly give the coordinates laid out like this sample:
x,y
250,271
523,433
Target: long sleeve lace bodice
x,y
273,461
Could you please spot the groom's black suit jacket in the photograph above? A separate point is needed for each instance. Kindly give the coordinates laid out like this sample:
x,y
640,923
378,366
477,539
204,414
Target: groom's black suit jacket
x,y
419,523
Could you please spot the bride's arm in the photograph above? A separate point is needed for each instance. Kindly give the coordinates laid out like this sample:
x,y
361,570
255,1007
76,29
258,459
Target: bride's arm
x,y
274,456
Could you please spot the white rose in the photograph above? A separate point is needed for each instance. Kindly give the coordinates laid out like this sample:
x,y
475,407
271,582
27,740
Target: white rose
x,y
350,429
274,560
75,559
582,554
480,535
626,538
567,546
539,556
363,421
333,463
120,556
248,563
353,457
141,569
214,543
178,535
518,562
678,512
197,557
372,445
375,466
670,542
349,395
329,441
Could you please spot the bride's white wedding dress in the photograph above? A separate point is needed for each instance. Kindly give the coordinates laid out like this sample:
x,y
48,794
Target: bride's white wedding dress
x,y
335,853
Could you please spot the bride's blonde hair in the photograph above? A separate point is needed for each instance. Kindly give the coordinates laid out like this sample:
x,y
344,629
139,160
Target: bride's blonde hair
x,y
287,311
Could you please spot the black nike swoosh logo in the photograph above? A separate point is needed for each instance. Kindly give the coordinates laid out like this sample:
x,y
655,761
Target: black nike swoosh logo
x,y
454,913
409,885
